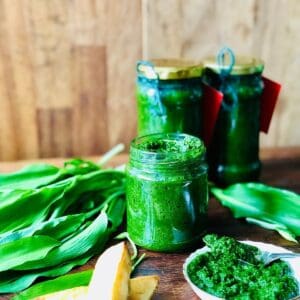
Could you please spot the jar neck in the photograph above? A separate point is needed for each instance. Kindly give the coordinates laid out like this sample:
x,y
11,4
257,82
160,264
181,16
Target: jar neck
x,y
168,82
167,152
215,79
173,167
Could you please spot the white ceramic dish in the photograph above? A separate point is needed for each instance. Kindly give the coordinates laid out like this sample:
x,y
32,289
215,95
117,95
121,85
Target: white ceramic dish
x,y
294,264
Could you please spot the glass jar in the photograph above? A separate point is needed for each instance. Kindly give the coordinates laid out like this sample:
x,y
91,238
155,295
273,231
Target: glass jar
x,y
233,155
166,191
169,97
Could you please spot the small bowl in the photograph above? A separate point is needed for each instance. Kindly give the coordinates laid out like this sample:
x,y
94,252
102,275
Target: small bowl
x,y
294,264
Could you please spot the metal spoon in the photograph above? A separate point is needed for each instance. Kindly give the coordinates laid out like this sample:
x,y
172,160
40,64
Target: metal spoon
x,y
268,257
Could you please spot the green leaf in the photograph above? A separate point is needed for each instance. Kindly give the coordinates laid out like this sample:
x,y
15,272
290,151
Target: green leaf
x,y
263,203
29,206
38,175
116,209
56,228
101,180
78,166
13,281
55,285
30,177
25,250
74,247
134,257
280,228
125,235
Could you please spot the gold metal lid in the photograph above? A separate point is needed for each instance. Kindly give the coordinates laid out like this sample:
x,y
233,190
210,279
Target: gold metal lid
x,y
243,65
164,69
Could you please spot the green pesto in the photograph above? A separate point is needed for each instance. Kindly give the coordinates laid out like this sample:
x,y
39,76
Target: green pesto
x,y
186,146
169,106
166,190
232,270
233,155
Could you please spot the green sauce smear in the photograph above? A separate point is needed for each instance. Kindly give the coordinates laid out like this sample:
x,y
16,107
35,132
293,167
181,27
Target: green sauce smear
x,y
232,270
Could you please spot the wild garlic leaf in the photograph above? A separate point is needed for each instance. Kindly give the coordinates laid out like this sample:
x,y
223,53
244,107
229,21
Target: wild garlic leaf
x,y
280,228
61,283
15,281
30,248
74,247
264,203
30,177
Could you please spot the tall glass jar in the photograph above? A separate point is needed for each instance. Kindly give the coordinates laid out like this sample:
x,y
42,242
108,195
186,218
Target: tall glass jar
x,y
233,155
167,191
169,97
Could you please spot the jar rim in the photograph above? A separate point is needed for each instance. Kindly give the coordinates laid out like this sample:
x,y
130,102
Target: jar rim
x,y
170,69
167,149
244,65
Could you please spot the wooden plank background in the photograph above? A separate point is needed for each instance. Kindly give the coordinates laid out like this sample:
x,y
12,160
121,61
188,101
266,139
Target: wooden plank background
x,y
67,67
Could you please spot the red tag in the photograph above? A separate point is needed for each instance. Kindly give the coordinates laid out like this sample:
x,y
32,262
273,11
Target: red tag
x,y
212,100
268,102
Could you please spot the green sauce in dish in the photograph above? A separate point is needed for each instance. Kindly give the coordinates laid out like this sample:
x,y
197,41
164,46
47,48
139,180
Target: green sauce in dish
x,y
166,191
232,270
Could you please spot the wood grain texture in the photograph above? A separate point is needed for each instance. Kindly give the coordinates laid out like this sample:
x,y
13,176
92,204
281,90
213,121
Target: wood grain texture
x,y
55,132
124,48
267,29
76,59
89,122
67,73
283,171
17,96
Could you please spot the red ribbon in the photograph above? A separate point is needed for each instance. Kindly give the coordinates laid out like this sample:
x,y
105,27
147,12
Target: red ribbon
x,y
268,102
212,100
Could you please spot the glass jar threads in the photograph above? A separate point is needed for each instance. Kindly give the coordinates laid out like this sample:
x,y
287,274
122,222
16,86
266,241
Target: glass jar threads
x,y
169,97
167,191
233,154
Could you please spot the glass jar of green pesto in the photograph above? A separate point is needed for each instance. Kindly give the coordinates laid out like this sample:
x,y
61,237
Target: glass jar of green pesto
x,y
166,191
233,154
169,97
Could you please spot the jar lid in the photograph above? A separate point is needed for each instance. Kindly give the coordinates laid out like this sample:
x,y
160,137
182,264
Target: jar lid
x,y
164,69
244,65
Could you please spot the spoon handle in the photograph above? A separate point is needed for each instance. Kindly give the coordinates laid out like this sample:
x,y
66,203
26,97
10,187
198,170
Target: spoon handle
x,y
283,255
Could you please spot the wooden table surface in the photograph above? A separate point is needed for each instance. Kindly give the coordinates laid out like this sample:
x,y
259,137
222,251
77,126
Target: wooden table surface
x,y
280,168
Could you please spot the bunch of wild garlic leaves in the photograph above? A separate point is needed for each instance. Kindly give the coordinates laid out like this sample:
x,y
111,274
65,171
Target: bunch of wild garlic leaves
x,y
53,219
